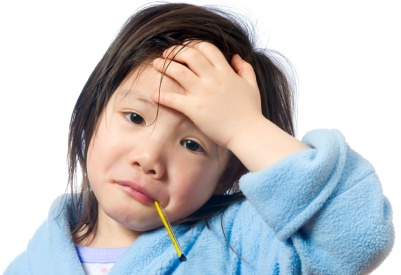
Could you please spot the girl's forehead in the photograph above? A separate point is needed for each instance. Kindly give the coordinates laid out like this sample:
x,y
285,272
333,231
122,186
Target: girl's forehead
x,y
139,82
144,81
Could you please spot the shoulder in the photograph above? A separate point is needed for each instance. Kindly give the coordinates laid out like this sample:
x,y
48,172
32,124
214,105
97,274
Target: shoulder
x,y
20,265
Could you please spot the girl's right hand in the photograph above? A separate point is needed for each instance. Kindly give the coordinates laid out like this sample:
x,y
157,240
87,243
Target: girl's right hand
x,y
223,101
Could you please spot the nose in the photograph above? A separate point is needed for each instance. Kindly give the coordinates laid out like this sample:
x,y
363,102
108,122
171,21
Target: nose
x,y
149,156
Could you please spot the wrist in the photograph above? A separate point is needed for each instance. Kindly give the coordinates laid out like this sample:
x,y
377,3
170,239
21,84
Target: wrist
x,y
261,143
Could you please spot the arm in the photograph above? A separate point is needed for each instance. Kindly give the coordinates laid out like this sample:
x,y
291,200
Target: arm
x,y
227,103
327,205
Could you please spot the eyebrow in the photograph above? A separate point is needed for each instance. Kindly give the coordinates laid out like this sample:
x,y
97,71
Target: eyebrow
x,y
135,95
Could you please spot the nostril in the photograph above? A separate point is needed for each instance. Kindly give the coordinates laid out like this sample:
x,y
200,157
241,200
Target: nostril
x,y
144,168
153,172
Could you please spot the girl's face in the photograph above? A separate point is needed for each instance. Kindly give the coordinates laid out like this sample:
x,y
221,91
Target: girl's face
x,y
134,158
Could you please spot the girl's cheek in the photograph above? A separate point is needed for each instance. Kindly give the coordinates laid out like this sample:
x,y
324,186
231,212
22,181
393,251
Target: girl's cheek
x,y
196,185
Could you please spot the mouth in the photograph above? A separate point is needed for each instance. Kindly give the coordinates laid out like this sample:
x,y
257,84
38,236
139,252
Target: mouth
x,y
135,191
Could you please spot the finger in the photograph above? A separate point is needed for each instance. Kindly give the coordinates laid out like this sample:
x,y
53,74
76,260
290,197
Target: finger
x,y
243,69
199,56
190,56
213,54
177,71
172,52
173,100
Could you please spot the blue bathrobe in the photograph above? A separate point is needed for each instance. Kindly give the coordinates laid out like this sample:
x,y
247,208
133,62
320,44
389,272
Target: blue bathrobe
x,y
318,211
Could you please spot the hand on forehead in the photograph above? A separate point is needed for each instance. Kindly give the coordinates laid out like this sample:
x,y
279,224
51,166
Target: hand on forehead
x,y
145,82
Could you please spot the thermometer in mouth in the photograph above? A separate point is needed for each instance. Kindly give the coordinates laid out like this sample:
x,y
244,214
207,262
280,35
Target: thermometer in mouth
x,y
170,232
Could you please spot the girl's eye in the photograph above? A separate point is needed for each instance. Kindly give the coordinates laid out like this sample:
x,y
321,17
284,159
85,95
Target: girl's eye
x,y
135,118
192,145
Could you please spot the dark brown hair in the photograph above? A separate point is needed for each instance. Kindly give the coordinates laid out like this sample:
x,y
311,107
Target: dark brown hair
x,y
144,36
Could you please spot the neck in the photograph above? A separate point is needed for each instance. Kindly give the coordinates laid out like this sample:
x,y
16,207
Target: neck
x,y
108,234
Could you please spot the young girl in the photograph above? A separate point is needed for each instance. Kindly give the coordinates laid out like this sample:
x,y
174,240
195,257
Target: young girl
x,y
183,111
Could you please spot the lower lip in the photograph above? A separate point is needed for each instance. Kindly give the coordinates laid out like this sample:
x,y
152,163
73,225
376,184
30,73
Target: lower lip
x,y
137,195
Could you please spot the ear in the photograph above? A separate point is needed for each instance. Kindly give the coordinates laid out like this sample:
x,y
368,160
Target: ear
x,y
234,170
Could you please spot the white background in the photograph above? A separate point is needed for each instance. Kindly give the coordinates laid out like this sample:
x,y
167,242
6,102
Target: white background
x,y
346,55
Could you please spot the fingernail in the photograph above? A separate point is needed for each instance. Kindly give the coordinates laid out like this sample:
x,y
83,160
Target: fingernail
x,y
156,62
165,53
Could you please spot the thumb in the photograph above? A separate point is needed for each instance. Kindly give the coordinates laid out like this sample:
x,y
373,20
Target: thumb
x,y
243,68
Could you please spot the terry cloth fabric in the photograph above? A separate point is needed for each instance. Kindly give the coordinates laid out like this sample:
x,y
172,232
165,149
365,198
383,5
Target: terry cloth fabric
x,y
318,211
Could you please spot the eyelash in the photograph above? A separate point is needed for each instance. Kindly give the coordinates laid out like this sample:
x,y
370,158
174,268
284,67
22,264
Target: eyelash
x,y
186,143
131,116
189,142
